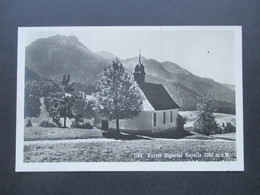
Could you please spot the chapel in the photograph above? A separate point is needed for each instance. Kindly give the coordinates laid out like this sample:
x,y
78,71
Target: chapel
x,y
160,111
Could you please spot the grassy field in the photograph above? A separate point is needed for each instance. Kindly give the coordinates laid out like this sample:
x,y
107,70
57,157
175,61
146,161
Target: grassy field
x,y
41,133
82,145
130,150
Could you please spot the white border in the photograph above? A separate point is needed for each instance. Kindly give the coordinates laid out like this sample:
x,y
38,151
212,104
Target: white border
x,y
237,165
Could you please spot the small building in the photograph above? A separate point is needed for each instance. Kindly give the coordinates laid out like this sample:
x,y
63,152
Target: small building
x,y
160,112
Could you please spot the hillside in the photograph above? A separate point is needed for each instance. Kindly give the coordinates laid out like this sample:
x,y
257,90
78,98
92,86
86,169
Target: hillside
x,y
58,55
220,118
107,55
233,87
182,85
171,72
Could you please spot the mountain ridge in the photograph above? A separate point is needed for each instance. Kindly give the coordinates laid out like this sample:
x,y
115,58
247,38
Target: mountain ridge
x,y
180,75
107,55
58,55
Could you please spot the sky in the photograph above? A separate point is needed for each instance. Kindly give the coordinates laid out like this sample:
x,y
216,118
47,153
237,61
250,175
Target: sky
x,y
204,52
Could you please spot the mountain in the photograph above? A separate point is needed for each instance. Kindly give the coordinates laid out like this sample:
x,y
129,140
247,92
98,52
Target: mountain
x,y
170,73
107,55
32,76
152,67
233,87
58,55
198,84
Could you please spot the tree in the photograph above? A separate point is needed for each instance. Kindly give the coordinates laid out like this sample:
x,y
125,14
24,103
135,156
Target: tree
x,y
83,108
205,122
117,95
32,99
59,104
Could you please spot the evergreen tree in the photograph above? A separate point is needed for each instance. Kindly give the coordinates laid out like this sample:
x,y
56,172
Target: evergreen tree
x,y
205,122
117,95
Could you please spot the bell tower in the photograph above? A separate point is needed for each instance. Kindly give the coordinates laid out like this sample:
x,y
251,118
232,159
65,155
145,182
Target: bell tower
x,y
139,73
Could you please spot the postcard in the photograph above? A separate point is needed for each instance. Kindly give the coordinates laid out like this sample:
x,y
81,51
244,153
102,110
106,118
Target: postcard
x,y
139,98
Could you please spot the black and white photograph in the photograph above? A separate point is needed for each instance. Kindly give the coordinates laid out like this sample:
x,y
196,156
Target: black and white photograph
x,y
139,98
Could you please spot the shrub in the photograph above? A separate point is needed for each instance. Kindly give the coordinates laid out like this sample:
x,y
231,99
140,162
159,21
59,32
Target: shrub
x,y
206,127
29,123
229,128
47,124
81,125
180,122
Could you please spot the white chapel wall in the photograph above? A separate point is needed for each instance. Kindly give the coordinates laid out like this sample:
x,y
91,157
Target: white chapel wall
x,y
168,124
142,122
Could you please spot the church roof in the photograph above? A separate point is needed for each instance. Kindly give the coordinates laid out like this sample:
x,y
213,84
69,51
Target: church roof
x,y
158,97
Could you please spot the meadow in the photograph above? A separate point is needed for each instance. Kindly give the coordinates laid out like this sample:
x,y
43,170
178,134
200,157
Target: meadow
x,y
85,145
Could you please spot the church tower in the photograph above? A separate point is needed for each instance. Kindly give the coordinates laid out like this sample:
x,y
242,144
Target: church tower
x,y
139,73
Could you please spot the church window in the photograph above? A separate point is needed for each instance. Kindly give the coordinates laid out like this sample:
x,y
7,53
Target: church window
x,y
164,117
171,117
154,119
